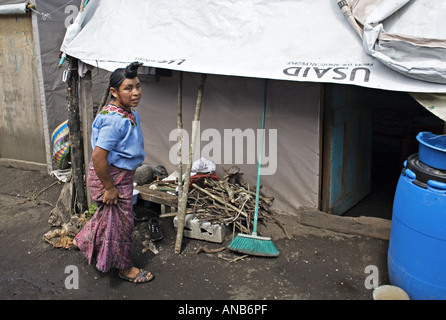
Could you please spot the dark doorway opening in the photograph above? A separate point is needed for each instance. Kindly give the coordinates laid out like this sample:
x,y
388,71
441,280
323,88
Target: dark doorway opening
x,y
397,119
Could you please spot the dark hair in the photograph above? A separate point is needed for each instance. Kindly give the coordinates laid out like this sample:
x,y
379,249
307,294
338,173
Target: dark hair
x,y
118,76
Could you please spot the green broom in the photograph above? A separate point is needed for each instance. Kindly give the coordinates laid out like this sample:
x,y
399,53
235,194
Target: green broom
x,y
254,244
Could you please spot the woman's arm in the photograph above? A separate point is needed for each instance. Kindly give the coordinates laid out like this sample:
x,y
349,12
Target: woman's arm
x,y
100,163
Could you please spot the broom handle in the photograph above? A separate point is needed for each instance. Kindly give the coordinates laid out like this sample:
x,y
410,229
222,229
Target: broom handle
x,y
256,213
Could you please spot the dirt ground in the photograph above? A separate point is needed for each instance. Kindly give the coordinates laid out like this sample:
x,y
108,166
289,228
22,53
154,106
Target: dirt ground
x,y
314,264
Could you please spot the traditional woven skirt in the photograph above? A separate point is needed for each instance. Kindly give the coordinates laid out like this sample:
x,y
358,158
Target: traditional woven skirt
x,y
107,237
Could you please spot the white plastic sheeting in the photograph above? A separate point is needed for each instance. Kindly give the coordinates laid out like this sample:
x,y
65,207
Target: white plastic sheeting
x,y
13,7
295,40
407,36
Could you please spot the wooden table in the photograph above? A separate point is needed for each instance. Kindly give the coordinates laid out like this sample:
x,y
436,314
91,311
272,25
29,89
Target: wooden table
x,y
163,198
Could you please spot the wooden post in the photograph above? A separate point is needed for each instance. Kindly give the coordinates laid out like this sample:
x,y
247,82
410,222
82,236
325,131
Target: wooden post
x,y
76,151
185,191
180,137
87,116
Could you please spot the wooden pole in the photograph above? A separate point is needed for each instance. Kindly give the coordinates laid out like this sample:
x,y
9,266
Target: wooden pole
x,y
180,138
87,116
76,151
185,191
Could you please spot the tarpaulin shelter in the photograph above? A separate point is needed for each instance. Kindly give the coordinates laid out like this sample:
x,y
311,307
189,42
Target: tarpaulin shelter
x,y
268,39
300,45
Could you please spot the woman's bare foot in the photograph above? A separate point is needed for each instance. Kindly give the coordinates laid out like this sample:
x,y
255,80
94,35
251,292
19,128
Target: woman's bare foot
x,y
74,245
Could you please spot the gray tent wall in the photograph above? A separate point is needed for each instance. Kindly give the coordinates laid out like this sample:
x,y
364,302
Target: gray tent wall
x,y
231,103
52,18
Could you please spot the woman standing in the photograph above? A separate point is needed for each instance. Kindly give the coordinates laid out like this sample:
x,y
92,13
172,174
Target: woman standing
x,y
118,149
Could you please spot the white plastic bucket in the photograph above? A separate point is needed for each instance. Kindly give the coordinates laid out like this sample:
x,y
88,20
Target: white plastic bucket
x,y
389,292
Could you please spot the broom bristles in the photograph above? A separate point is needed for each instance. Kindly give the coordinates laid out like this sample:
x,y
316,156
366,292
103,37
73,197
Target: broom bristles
x,y
253,245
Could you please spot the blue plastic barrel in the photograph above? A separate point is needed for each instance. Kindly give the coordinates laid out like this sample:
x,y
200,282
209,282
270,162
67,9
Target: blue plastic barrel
x,y
417,245
432,149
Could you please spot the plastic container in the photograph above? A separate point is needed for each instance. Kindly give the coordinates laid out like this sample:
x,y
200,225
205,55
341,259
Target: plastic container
x,y
417,244
432,149
135,196
388,292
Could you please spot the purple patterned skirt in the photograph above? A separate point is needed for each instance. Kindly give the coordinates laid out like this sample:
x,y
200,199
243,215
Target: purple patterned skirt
x,y
107,237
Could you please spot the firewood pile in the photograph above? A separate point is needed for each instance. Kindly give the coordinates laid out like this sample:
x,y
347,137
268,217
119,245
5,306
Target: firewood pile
x,y
230,200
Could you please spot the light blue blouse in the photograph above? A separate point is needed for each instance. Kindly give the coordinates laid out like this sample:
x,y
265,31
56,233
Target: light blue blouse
x,y
119,132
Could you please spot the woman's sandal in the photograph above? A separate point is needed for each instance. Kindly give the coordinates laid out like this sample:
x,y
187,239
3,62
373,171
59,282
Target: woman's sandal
x,y
141,277
156,230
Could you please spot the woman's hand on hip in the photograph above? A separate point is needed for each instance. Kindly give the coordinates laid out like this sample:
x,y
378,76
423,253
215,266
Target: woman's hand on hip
x,y
111,196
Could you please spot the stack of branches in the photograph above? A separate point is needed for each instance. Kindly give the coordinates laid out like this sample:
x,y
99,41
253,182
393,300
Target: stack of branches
x,y
230,200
